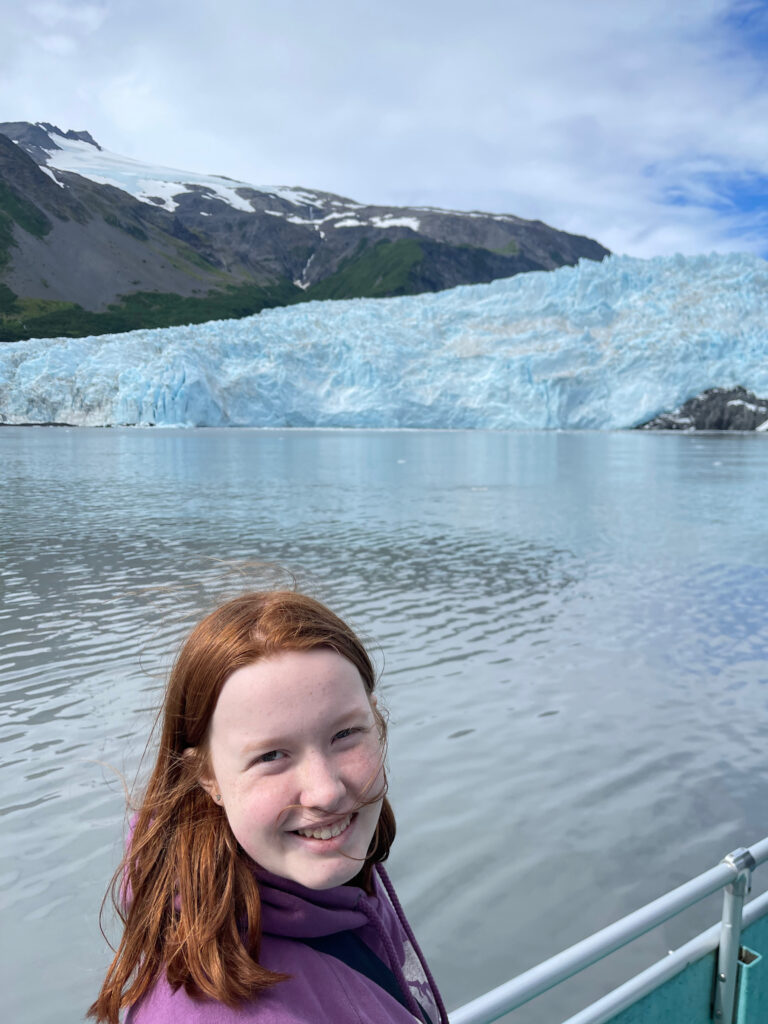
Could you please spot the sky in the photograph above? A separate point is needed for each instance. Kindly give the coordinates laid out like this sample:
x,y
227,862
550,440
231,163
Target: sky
x,y
641,123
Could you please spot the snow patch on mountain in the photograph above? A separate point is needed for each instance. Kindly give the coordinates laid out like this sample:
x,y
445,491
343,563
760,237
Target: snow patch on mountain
x,y
396,222
148,182
599,346
52,176
144,182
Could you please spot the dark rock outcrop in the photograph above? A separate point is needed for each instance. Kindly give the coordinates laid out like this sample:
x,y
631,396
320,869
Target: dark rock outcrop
x,y
715,409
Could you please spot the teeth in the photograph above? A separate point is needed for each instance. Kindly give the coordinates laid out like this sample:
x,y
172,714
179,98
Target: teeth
x,y
328,832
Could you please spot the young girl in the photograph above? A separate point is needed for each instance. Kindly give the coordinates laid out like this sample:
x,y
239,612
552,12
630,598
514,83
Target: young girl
x,y
252,890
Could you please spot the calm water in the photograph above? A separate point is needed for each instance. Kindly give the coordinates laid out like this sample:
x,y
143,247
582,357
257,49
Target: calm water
x,y
573,633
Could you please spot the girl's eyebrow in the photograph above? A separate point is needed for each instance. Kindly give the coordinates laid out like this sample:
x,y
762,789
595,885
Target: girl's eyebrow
x,y
260,747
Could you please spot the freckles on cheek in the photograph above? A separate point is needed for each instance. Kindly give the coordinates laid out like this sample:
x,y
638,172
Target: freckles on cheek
x,y
369,770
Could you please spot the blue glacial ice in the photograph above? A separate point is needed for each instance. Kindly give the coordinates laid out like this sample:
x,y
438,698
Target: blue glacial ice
x,y
600,346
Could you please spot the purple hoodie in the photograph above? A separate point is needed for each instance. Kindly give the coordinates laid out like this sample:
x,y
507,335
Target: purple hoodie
x,y
322,989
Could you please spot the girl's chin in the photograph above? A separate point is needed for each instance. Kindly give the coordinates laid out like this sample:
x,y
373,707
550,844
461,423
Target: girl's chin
x,y
328,882
325,874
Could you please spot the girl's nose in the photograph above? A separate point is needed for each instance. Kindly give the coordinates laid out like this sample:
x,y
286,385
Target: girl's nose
x,y
321,784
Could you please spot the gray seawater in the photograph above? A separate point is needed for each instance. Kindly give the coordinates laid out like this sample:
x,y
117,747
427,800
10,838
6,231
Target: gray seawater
x,y
573,636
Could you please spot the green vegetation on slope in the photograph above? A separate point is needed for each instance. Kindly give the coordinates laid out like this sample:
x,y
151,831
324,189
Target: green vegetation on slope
x,y
130,229
41,318
24,213
6,239
8,303
510,249
383,270
165,309
14,208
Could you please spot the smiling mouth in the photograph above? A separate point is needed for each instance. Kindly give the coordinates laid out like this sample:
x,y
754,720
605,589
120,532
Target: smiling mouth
x,y
327,831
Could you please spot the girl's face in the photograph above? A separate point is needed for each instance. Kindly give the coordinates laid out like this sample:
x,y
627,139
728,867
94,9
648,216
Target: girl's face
x,y
293,748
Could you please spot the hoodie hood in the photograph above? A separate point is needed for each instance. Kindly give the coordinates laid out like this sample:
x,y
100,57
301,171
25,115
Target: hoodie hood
x,y
291,911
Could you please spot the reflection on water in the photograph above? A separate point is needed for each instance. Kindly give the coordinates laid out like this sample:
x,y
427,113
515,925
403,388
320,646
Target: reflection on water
x,y
572,633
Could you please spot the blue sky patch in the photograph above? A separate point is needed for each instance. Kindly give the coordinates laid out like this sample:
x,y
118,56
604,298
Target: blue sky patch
x,y
747,23
739,200
735,193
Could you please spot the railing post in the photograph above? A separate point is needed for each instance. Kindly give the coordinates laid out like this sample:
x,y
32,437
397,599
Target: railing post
x,y
730,936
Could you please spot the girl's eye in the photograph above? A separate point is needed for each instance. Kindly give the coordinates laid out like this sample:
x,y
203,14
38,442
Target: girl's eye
x,y
345,733
272,755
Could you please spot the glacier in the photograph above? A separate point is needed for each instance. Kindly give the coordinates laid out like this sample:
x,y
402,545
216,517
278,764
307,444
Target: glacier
x,y
596,346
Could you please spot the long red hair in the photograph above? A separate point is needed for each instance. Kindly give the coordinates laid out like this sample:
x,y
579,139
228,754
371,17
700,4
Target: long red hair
x,y
185,890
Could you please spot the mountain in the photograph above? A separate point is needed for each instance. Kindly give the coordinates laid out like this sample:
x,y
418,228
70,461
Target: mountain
x,y
93,242
597,346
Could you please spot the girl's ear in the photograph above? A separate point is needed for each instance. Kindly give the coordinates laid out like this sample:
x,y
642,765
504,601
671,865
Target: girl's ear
x,y
207,781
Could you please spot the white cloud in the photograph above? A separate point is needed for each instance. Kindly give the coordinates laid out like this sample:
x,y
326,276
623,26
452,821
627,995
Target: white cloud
x,y
87,16
58,44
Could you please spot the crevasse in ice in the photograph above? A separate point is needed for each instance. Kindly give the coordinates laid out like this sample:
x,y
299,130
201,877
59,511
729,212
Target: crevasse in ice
x,y
600,345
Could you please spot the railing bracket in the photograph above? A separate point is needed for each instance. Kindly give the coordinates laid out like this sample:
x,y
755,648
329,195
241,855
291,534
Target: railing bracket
x,y
730,935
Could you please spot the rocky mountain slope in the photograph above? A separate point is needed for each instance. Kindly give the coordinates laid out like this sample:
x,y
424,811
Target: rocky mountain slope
x,y
92,242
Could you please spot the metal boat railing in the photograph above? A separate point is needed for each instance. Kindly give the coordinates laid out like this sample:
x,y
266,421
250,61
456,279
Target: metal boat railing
x,y
732,874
